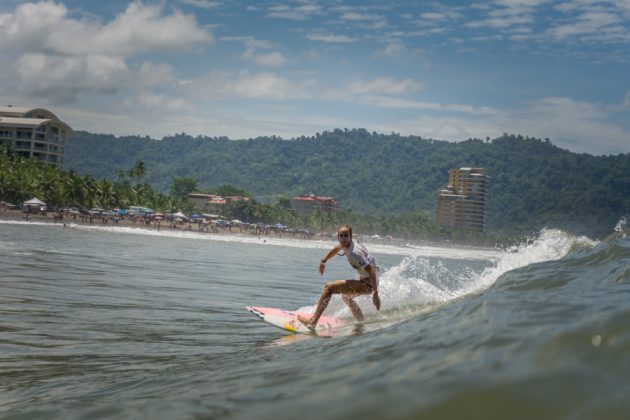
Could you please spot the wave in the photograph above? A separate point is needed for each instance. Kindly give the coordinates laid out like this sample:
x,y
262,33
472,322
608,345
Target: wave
x,y
430,281
420,283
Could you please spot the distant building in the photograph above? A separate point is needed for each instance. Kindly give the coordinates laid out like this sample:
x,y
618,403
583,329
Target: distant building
x,y
213,202
462,203
34,133
307,203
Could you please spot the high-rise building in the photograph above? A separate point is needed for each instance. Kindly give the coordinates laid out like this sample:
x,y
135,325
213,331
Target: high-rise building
x,y
462,203
34,133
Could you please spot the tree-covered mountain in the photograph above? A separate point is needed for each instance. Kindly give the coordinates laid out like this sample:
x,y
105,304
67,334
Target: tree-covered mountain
x,y
532,183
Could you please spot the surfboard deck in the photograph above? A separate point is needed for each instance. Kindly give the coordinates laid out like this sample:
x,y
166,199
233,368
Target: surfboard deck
x,y
288,321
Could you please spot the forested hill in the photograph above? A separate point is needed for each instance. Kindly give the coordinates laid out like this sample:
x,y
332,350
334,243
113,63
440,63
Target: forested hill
x,y
532,183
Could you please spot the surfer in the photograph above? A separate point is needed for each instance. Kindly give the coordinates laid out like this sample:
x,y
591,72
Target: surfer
x,y
360,260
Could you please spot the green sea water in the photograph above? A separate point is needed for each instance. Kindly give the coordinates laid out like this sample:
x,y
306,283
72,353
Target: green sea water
x,y
110,322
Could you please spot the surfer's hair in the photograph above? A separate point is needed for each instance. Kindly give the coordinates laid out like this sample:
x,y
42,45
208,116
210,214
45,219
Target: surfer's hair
x,y
344,227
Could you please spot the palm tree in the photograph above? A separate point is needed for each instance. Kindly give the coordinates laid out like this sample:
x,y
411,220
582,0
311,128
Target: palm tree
x,y
76,190
138,171
105,193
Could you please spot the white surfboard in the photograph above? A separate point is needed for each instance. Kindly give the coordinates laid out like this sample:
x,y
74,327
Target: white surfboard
x,y
288,321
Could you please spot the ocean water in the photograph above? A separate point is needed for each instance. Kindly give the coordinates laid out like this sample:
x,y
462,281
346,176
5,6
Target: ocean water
x,y
117,323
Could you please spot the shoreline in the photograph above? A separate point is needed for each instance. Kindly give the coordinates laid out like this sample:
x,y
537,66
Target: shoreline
x,y
321,239
50,218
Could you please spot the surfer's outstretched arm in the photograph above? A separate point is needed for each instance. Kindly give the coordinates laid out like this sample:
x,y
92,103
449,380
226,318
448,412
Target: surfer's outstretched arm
x,y
322,264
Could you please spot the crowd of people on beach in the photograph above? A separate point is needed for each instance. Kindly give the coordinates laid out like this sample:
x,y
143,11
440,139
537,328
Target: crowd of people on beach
x,y
154,221
178,221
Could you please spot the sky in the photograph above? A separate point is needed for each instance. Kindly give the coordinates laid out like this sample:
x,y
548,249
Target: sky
x,y
446,70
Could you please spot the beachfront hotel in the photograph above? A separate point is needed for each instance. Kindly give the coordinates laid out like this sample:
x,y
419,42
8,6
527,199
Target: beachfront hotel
x,y
462,204
34,133
307,203
213,202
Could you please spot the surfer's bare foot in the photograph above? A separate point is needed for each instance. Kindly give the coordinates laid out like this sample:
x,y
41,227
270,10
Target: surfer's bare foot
x,y
306,321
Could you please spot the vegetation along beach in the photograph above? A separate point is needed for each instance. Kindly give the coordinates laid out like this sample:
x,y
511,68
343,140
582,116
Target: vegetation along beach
x,y
315,210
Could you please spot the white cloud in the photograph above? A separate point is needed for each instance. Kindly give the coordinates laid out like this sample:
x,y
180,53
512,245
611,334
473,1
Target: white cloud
x,y
263,86
603,25
409,104
390,94
64,77
393,49
359,16
151,74
249,41
383,85
443,14
162,102
301,12
140,29
272,59
29,27
578,126
364,20
434,16
47,27
521,4
203,4
398,103
506,14
331,38
59,56
500,22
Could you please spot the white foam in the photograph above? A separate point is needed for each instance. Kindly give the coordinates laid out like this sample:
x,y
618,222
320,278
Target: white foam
x,y
29,223
550,245
419,283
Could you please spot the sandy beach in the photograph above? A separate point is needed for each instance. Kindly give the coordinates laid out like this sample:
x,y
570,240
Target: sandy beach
x,y
163,225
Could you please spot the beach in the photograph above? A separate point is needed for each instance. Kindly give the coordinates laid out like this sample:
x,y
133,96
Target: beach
x,y
162,225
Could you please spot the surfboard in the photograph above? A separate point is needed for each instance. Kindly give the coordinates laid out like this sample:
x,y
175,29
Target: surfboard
x,y
288,321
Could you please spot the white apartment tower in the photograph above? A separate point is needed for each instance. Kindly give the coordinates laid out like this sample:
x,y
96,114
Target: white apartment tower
x,y
34,133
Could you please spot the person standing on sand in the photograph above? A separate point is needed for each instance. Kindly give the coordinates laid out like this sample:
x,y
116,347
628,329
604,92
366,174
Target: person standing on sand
x,y
360,260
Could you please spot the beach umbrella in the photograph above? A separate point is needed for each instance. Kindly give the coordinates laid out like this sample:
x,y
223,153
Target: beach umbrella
x,y
236,222
180,215
34,202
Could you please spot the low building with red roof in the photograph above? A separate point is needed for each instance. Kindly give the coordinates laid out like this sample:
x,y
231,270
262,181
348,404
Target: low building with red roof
x,y
307,203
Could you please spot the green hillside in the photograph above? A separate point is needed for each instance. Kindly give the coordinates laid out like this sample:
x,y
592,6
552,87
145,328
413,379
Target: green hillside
x,y
532,183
